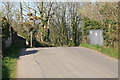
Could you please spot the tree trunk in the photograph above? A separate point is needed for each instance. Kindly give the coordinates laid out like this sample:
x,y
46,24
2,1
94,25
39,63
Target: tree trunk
x,y
42,24
31,40
48,30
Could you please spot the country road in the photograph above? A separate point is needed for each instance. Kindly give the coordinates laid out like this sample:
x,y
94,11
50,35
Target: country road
x,y
65,62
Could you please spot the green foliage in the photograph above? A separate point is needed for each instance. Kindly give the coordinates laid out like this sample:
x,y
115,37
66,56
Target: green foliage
x,y
64,33
76,29
110,33
9,62
90,24
26,35
87,25
5,32
0,13
109,28
113,52
5,29
42,44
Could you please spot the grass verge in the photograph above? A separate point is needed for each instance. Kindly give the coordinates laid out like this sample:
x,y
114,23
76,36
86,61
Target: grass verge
x,y
9,61
113,52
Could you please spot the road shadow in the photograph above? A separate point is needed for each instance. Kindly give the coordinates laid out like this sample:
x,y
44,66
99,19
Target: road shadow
x,y
25,52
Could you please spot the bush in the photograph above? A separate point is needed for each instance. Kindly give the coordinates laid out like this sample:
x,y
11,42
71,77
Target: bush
x,y
5,32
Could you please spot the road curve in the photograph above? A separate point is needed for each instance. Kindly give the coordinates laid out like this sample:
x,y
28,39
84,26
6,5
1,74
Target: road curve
x,y
65,62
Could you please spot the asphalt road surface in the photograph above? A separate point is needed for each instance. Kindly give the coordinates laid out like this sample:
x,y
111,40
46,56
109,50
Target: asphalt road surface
x,y
65,62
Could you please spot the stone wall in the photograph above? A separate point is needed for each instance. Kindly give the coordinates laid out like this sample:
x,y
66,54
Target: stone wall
x,y
8,42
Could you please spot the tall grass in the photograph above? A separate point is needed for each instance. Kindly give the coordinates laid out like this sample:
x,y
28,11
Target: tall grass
x,y
9,61
113,52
